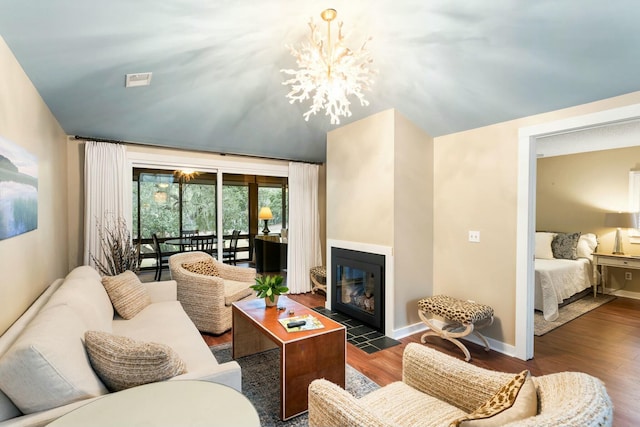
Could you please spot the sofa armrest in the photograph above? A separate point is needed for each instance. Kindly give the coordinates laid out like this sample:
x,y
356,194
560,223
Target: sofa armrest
x,y
162,291
331,406
447,378
570,398
239,274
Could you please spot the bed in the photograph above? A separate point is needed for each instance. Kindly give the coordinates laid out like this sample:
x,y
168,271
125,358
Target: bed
x,y
563,268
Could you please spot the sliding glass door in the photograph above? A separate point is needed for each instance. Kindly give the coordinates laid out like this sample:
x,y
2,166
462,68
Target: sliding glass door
x,y
171,204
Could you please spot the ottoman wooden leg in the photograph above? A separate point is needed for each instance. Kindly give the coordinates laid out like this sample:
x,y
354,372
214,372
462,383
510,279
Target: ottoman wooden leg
x,y
450,332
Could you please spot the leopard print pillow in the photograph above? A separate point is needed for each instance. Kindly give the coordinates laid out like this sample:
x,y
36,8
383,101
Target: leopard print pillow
x,y
516,400
205,267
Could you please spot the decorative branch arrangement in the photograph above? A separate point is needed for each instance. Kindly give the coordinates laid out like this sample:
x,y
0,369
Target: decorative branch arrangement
x,y
118,251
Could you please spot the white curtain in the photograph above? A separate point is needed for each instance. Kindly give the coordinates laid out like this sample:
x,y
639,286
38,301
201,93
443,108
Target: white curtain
x,y
107,191
304,250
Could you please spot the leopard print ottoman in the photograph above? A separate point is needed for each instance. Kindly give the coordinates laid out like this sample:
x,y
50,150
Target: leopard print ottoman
x,y
318,279
461,319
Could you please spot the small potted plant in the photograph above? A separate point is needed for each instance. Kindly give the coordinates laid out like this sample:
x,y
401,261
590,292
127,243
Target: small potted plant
x,y
269,288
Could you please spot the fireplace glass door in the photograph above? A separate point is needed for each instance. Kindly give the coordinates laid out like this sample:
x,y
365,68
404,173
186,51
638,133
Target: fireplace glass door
x,y
358,286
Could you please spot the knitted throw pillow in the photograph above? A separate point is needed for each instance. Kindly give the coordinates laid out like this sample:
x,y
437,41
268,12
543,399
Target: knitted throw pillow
x,y
127,294
122,362
205,267
515,400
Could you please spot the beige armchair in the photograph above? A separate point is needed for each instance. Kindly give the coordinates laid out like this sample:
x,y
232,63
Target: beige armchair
x,y
437,389
207,298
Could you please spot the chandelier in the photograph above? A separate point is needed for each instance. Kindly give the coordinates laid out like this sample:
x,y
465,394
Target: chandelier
x,y
185,175
329,73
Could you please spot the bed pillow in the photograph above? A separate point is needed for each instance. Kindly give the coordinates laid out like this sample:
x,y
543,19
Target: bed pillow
x,y
543,245
564,245
587,244
515,401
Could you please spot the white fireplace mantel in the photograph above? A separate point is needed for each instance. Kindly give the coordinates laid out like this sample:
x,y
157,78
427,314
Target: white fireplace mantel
x,y
387,251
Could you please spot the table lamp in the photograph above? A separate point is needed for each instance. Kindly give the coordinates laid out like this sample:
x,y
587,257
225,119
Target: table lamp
x,y
620,220
265,214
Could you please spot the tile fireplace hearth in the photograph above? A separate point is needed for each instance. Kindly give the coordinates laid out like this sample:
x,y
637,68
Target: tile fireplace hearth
x,y
358,334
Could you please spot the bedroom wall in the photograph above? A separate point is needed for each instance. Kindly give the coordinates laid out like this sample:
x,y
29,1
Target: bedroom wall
x,y
476,189
31,261
574,192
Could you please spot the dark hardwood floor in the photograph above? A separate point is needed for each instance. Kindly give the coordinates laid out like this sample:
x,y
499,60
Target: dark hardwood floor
x,y
604,343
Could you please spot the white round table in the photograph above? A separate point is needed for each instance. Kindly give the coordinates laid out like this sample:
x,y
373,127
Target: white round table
x,y
167,403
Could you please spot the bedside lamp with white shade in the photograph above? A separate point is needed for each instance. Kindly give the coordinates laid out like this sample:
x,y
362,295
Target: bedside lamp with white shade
x,y
265,214
620,220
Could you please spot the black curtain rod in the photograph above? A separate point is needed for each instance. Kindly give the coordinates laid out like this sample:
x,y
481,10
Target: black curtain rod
x,y
115,141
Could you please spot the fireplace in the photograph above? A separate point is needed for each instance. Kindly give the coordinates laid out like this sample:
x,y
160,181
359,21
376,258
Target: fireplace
x,y
357,285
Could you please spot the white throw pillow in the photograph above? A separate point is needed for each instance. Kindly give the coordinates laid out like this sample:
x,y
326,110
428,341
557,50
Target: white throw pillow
x,y
89,299
47,366
587,244
543,245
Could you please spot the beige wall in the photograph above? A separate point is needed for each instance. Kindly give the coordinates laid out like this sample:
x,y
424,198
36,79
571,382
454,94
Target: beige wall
x,y
574,192
360,181
476,189
379,192
413,219
31,261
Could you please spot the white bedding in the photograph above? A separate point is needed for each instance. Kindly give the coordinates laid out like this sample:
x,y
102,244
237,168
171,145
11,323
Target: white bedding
x,y
558,279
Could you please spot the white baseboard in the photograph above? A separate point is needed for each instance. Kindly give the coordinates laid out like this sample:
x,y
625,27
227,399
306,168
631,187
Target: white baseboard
x,y
496,345
623,293
409,330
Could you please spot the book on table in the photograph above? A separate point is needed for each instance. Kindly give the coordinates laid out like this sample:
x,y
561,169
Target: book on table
x,y
310,323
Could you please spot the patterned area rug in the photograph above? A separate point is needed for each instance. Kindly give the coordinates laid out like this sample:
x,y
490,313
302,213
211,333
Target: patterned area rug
x,y
261,372
569,312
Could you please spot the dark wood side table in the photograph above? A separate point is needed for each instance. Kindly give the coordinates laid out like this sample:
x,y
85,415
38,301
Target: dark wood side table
x,y
304,356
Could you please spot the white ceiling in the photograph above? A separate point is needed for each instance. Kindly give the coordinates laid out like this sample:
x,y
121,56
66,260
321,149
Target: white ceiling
x,y
447,65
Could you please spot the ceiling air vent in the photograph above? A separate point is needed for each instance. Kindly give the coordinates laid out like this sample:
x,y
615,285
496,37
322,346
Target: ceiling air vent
x,y
137,79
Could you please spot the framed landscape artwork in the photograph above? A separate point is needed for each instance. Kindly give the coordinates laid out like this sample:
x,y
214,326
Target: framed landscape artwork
x,y
18,190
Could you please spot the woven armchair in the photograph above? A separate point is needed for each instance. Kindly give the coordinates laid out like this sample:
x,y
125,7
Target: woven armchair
x,y
437,389
207,299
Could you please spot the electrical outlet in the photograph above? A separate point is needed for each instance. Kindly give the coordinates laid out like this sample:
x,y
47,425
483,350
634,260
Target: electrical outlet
x,y
474,236
628,276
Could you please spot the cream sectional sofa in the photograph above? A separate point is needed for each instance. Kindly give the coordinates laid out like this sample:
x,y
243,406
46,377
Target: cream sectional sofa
x,y
45,371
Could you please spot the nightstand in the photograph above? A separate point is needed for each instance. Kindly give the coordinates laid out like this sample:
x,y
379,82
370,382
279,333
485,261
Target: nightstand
x,y
611,260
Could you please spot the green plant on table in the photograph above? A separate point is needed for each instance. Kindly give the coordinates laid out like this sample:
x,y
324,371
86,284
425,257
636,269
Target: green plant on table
x,y
269,287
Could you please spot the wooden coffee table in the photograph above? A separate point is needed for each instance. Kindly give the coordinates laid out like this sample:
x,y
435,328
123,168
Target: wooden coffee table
x,y
304,356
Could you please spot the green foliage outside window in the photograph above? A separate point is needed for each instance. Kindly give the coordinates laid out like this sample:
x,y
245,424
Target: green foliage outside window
x,y
159,210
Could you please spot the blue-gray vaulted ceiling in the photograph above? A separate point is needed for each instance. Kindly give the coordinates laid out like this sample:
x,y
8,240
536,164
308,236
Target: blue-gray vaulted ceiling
x,y
447,65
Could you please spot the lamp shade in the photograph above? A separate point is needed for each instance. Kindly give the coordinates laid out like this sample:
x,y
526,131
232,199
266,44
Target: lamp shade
x,y
621,219
265,213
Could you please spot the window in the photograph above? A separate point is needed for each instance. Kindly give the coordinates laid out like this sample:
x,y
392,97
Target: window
x,y
168,205
272,192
